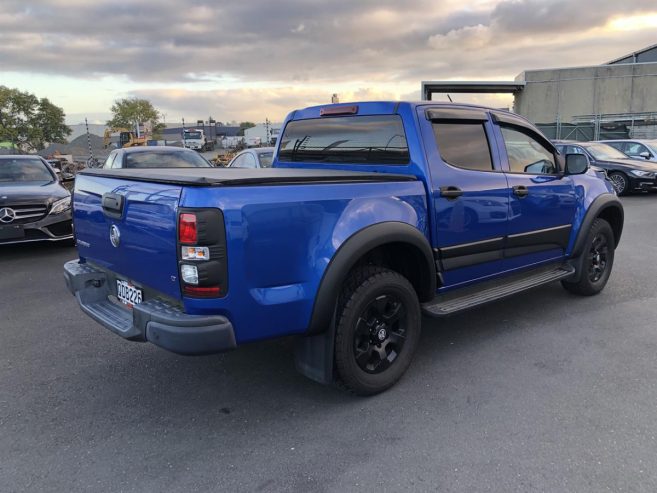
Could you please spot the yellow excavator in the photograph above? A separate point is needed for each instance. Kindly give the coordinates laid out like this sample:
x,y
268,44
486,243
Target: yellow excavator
x,y
127,137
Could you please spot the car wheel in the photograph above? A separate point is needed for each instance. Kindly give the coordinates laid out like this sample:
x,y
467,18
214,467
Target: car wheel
x,y
598,262
619,182
378,329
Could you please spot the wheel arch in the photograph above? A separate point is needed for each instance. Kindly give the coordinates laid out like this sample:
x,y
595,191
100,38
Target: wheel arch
x,y
393,244
608,207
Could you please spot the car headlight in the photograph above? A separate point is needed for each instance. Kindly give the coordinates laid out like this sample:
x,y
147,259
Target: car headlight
x,y
643,174
61,205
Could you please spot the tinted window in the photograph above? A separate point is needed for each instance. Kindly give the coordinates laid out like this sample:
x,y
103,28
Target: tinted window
x,y
464,145
617,145
12,170
634,149
265,159
527,155
376,139
109,160
165,159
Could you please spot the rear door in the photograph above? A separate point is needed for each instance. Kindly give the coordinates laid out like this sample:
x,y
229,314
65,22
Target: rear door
x,y
129,228
469,192
541,198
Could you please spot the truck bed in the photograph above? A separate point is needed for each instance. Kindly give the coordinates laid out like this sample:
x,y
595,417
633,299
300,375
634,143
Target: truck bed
x,y
227,177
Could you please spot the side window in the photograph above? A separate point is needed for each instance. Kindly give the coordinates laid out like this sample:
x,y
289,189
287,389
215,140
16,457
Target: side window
x,y
109,160
621,146
527,155
248,161
464,145
237,161
574,150
118,158
634,149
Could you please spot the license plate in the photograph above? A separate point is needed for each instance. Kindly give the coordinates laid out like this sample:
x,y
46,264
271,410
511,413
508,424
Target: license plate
x,y
127,293
12,232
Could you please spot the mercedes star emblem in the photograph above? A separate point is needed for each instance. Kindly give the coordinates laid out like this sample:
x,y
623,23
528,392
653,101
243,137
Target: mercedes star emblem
x,y
7,215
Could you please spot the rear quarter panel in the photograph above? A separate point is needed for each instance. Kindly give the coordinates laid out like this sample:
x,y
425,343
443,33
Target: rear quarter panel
x,y
280,240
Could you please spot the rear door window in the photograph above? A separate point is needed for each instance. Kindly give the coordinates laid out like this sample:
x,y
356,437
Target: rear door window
x,y
375,139
464,145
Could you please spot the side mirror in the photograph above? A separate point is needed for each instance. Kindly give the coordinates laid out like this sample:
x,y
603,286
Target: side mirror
x,y
66,177
645,155
576,164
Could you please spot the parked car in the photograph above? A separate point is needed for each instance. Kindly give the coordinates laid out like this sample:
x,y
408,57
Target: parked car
x,y
259,157
626,174
155,157
360,226
636,148
34,206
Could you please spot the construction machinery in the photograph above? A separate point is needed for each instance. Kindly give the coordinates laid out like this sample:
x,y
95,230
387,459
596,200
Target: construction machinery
x,y
127,137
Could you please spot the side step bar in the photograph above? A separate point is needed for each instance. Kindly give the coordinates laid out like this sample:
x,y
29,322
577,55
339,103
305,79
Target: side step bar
x,y
472,296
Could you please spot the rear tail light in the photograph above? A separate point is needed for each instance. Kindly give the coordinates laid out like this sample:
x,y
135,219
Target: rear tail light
x,y
187,231
202,259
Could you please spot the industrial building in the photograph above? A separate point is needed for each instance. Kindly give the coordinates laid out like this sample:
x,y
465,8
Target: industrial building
x,y
617,99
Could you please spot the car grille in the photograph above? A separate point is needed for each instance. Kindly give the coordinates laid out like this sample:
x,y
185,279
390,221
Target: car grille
x,y
27,213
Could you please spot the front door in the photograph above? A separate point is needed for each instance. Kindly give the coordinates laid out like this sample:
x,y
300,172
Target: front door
x,y
469,192
541,199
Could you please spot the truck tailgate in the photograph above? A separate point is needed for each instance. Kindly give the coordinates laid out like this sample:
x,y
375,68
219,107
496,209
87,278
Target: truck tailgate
x,y
142,218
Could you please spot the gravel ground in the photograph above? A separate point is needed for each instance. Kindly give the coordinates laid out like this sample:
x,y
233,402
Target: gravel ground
x,y
546,392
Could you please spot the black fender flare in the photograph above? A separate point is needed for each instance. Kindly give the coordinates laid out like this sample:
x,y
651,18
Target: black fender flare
x,y
597,208
313,351
353,250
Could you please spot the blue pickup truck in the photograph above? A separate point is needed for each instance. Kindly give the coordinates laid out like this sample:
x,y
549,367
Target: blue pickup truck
x,y
373,214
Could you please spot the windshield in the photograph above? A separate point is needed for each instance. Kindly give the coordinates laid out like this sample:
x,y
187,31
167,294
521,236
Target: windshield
x,y
604,151
13,170
171,159
192,135
265,159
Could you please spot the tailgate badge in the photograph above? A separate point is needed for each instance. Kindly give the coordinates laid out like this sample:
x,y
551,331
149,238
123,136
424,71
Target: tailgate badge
x,y
115,236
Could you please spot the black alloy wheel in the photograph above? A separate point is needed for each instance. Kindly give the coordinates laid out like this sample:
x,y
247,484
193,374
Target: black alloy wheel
x,y
378,329
380,334
598,257
597,261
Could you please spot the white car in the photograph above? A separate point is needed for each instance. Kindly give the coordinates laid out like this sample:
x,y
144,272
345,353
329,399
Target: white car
x,y
257,157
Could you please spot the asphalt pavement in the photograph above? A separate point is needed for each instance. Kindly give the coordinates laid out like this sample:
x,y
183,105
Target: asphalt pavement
x,y
544,392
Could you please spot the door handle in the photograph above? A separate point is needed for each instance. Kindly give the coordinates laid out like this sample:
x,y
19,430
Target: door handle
x,y
112,204
520,191
450,192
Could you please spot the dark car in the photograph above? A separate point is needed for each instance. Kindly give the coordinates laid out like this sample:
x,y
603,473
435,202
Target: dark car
x,y
34,206
257,157
626,174
636,148
155,157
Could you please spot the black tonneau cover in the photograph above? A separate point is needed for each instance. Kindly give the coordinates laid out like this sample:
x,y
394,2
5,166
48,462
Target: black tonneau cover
x,y
227,177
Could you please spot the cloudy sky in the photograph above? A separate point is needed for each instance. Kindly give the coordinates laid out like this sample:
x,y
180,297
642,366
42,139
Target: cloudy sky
x,y
252,59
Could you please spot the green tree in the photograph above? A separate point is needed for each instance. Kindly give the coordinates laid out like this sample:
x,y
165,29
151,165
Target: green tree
x,y
244,126
28,122
129,111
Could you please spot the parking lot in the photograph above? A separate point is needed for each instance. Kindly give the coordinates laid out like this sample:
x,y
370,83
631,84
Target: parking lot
x,y
550,392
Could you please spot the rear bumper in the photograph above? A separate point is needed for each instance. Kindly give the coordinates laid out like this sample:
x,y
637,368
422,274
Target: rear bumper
x,y
155,320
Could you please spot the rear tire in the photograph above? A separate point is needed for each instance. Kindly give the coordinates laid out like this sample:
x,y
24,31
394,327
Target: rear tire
x,y
620,182
598,261
378,329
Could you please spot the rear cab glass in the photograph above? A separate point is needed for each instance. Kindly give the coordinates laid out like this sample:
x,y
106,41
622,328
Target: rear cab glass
x,y
371,139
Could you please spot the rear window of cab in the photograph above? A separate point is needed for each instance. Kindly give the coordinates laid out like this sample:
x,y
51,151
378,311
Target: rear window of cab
x,y
371,139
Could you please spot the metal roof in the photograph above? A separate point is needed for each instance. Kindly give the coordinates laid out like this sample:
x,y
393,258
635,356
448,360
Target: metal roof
x,y
636,56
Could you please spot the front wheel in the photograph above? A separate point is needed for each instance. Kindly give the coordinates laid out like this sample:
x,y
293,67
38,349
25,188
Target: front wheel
x,y
620,182
598,260
378,329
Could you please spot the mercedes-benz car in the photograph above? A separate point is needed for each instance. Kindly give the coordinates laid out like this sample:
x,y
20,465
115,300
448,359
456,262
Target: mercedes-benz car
x,y
155,157
256,157
34,206
626,174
